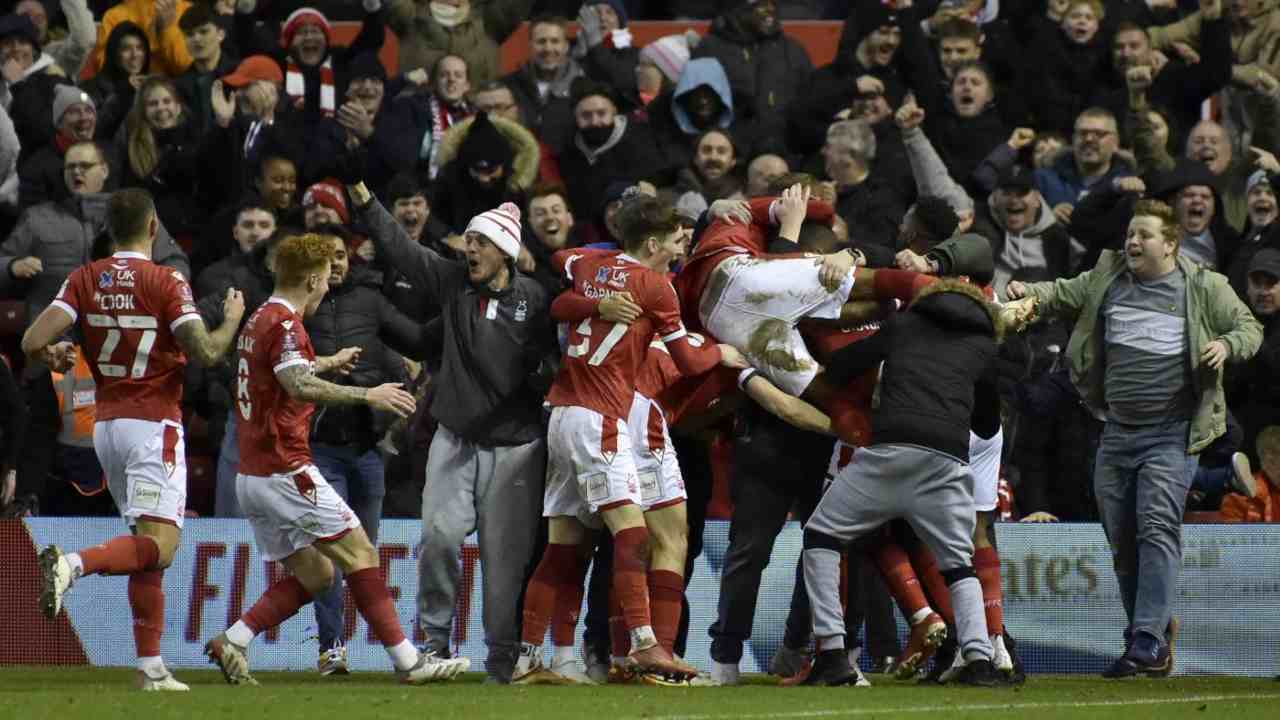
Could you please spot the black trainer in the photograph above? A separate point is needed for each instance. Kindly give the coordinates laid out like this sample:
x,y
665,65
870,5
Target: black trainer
x,y
979,673
943,659
831,667
1019,674
1132,664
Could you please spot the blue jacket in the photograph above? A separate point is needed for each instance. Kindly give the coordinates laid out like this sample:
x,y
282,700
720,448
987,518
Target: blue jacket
x,y
1062,183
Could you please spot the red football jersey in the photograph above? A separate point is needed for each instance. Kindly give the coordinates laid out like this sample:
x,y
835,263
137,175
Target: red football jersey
x,y
603,359
128,308
273,426
659,371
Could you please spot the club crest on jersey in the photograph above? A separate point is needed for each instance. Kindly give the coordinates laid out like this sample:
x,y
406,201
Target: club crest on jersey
x,y
106,279
522,310
602,276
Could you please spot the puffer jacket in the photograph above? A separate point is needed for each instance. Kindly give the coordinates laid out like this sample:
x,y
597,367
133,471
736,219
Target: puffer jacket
x,y
62,235
457,198
29,100
357,314
1214,312
767,73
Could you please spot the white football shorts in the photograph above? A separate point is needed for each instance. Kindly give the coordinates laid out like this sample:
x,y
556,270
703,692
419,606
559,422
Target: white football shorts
x,y
661,484
146,467
590,466
289,512
754,305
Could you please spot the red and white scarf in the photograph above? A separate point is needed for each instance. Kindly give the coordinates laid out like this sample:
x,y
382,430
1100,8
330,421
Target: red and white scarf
x,y
441,120
295,87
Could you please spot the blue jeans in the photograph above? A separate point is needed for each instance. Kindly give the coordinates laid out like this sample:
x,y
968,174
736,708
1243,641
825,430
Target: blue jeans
x,y
358,478
1141,478
226,504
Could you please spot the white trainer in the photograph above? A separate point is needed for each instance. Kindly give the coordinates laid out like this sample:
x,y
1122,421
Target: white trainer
x,y
163,683
433,668
231,659
725,674
570,671
333,661
1002,661
854,656
55,580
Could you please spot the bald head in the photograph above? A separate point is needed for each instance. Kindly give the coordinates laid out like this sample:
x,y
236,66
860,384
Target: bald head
x,y
1210,144
762,171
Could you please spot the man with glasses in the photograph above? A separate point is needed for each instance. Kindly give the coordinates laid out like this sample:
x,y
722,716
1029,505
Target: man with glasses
x,y
1092,160
496,98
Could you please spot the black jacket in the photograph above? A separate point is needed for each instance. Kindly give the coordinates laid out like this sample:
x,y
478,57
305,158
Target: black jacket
x,y
767,73
31,108
196,89
494,343
937,380
873,209
633,158
112,93
356,314
1100,220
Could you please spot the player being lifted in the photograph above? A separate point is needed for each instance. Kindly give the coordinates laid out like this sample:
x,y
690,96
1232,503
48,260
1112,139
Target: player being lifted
x,y
297,518
139,325
591,471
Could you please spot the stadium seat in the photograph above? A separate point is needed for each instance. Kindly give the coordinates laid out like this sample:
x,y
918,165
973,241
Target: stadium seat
x,y
13,317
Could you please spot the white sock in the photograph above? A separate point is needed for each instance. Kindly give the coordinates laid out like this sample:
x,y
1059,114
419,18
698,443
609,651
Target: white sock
x,y
562,655
77,565
403,655
152,666
921,614
240,634
642,638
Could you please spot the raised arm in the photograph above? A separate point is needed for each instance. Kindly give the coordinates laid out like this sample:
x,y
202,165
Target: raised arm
x,y
208,348
394,246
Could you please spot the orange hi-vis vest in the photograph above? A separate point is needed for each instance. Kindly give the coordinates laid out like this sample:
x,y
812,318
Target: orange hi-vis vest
x,y
75,392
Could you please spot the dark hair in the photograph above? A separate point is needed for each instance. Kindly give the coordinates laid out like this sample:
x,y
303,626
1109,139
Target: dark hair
x,y
817,237
253,201
269,156
643,217
786,180
544,189
935,217
1130,26
128,214
435,66
338,231
491,86
405,185
196,16
959,28
549,19
717,131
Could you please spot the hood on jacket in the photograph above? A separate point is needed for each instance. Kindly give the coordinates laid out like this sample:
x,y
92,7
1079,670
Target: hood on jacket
x,y
959,305
699,72
111,58
1044,218
865,17
528,153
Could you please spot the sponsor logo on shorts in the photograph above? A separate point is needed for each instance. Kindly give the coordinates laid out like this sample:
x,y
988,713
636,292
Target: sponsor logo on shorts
x,y
650,488
308,523
146,495
597,487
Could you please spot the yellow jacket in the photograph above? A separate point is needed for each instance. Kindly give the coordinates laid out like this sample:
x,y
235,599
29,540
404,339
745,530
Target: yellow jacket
x,y
168,49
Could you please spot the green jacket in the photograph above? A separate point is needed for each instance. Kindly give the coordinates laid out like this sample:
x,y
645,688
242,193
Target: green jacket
x,y
1214,312
477,39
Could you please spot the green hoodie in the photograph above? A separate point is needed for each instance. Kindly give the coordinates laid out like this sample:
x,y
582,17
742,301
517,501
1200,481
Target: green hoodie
x,y
1214,312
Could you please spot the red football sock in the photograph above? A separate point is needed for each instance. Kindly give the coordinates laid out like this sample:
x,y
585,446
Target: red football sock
x,y
124,555
666,595
619,638
900,284
568,604
540,594
986,561
926,566
146,600
900,578
629,581
277,604
369,590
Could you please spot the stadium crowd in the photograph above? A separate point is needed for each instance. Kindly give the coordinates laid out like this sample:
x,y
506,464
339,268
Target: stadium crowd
x,y
1031,128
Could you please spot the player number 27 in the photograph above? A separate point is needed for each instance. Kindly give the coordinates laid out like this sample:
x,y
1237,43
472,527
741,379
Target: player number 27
x,y
579,349
141,355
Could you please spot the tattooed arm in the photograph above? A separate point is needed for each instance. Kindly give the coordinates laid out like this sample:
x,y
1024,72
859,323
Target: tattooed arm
x,y
302,384
206,347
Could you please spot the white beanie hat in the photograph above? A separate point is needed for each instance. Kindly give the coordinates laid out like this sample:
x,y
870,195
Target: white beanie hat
x,y
670,54
501,226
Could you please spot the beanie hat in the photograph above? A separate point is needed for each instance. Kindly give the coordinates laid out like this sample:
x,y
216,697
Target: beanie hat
x,y
670,54
20,26
584,87
67,95
501,226
1258,177
366,65
619,9
485,145
303,16
328,194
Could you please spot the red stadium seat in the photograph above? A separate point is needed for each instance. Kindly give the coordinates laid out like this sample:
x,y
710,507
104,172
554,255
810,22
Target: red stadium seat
x,y
13,317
